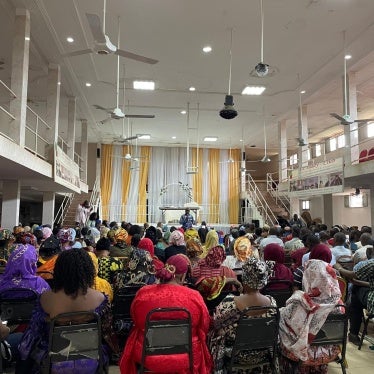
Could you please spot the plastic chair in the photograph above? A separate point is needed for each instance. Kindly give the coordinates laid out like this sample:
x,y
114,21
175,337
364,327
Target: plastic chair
x,y
363,155
366,321
166,336
254,333
343,285
74,336
280,295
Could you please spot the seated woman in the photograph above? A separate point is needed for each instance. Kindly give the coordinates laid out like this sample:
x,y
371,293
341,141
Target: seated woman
x,y
212,266
148,245
242,251
6,241
274,252
66,236
177,245
48,253
211,240
169,293
73,280
302,318
222,336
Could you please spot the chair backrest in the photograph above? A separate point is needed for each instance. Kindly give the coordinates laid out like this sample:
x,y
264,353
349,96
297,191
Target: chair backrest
x,y
256,332
212,304
343,285
74,336
280,295
17,304
165,336
122,302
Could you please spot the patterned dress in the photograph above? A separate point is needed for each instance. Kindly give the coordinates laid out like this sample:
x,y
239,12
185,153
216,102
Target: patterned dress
x,y
221,340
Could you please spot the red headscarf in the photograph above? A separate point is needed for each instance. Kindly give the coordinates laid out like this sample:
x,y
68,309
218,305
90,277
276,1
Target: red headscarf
x,y
274,252
215,257
297,257
147,245
321,252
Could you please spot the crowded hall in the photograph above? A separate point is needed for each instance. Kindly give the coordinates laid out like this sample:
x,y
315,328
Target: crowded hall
x,y
186,186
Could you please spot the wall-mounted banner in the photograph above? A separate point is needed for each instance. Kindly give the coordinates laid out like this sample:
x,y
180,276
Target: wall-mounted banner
x,y
319,178
66,171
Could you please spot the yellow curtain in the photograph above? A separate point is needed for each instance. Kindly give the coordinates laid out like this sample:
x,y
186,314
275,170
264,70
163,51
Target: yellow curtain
x,y
126,178
197,179
214,175
143,180
106,178
234,187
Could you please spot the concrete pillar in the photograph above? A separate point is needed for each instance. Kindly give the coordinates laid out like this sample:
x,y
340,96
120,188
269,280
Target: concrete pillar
x,y
84,149
282,136
302,153
328,210
351,154
11,203
20,75
53,102
48,214
71,126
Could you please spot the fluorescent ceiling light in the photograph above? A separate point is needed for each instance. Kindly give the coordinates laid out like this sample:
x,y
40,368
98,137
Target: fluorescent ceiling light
x,y
210,139
207,49
183,111
69,39
192,89
27,38
144,85
88,84
302,92
173,137
253,90
347,57
144,136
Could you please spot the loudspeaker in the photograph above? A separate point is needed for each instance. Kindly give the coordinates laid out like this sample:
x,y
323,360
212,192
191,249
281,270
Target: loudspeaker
x,y
97,152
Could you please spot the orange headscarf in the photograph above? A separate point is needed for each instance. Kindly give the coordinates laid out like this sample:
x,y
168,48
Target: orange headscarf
x,y
242,248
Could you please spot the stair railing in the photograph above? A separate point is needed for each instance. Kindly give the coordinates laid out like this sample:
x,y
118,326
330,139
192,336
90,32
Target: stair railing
x,y
95,197
259,201
280,198
63,209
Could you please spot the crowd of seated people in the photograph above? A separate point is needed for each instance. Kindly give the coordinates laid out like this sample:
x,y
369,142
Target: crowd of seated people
x,y
89,266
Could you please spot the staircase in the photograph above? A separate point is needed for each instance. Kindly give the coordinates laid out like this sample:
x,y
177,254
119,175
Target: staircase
x,y
69,219
275,205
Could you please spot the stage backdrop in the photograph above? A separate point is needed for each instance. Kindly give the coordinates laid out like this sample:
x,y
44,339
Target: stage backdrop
x,y
134,190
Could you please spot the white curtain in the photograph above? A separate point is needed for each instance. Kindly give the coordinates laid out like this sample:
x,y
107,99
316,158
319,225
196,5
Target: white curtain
x,y
115,200
224,186
204,211
132,201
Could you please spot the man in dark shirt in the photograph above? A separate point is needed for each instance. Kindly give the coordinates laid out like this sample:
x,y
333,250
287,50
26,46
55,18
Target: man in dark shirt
x,y
186,219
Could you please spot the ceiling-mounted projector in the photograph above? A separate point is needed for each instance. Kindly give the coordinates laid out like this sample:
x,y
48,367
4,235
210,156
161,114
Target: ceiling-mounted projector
x,y
262,69
228,112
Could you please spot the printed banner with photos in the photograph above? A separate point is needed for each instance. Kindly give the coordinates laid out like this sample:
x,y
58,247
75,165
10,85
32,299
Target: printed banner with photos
x,y
318,178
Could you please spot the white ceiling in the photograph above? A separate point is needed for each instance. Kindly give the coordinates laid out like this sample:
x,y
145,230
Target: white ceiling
x,y
303,41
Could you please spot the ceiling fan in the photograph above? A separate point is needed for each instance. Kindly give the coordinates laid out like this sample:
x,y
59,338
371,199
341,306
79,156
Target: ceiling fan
x,y
117,113
103,45
266,158
346,119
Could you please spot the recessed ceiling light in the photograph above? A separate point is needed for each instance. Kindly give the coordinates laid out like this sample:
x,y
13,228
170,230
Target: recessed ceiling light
x,y
302,92
27,38
183,111
69,39
59,83
192,89
207,49
88,84
241,140
144,136
210,139
347,57
253,90
144,85
173,137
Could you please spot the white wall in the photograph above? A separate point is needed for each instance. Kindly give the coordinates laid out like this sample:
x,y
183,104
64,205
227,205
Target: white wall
x,y
350,216
316,207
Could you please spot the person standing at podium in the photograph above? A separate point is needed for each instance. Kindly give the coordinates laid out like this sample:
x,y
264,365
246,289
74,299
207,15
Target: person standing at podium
x,y
186,219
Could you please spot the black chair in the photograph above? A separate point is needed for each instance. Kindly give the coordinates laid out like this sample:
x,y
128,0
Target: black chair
x,y
165,336
366,320
74,336
17,304
280,295
256,333
122,302
334,332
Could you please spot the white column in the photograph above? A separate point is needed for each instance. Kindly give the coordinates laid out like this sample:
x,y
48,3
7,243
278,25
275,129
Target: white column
x,y
48,214
53,102
352,151
20,75
71,126
282,136
302,154
84,149
11,203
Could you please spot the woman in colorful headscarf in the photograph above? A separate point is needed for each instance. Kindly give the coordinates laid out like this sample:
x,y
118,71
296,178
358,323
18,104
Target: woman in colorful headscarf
x,y
221,338
242,251
48,253
302,318
147,245
100,284
119,247
194,249
6,241
211,240
177,244
66,236
274,252
20,270
211,265
169,293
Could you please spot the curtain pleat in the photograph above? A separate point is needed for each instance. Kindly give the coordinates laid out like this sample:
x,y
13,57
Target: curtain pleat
x,y
143,181
125,180
214,175
234,187
106,177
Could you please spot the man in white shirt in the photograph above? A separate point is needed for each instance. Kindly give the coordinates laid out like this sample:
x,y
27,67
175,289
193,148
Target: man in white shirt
x,y
339,249
360,254
273,237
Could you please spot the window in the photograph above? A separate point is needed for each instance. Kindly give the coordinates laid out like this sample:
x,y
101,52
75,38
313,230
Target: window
x,y
341,141
318,150
370,129
293,159
306,204
308,155
332,144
